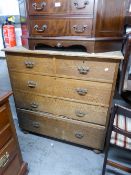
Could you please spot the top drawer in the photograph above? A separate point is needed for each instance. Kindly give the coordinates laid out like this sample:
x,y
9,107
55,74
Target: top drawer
x,y
40,7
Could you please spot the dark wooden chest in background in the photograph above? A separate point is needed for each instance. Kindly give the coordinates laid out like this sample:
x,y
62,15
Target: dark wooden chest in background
x,y
98,25
11,162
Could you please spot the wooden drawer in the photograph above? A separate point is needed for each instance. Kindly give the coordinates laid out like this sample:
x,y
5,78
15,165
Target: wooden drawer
x,y
40,7
14,167
62,108
4,116
86,69
61,27
80,27
86,91
82,6
78,132
49,27
30,64
7,154
5,135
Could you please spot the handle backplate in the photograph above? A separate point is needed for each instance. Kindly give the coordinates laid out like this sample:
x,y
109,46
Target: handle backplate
x,y
81,5
42,29
39,7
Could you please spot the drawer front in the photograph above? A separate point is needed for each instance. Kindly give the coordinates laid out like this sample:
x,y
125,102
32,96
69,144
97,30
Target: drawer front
x,y
27,64
82,6
5,135
86,69
80,27
7,154
4,116
50,27
39,7
14,167
62,108
78,132
86,91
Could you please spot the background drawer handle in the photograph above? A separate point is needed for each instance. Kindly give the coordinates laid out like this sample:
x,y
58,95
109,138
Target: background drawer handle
x,y
31,84
80,28
36,124
81,91
4,160
43,28
80,114
83,70
79,135
80,5
34,105
29,64
42,5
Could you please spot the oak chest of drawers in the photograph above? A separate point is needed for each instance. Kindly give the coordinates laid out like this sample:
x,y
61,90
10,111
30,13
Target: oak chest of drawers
x,y
65,95
97,25
11,162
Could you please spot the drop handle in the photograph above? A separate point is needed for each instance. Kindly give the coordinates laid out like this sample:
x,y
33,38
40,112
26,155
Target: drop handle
x,y
80,28
29,64
41,6
42,29
4,160
79,135
83,70
80,114
80,5
34,105
31,84
36,124
81,91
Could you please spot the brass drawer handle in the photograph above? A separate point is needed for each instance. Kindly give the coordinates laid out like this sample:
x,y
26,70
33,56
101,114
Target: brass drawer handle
x,y
80,5
34,105
4,160
79,135
81,91
83,70
42,5
80,28
43,28
29,64
80,114
32,84
36,124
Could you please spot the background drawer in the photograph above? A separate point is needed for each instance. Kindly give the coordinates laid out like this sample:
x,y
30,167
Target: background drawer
x,y
7,154
62,108
5,135
78,132
86,69
86,91
49,27
40,7
82,6
31,65
4,116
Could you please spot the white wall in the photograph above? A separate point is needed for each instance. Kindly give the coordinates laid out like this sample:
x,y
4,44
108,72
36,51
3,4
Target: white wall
x,y
9,7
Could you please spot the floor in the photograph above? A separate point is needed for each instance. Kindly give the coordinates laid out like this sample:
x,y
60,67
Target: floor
x,y
51,157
